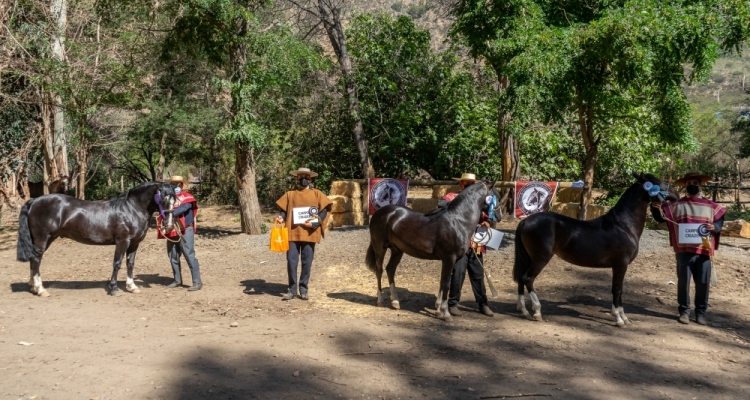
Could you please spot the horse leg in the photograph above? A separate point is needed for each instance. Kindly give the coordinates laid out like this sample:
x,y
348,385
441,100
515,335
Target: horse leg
x,y
120,249
130,285
441,311
379,275
536,305
35,279
396,255
521,304
618,276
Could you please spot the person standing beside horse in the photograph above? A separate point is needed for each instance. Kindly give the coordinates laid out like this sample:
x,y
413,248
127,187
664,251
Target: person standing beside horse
x,y
304,211
471,262
692,259
183,242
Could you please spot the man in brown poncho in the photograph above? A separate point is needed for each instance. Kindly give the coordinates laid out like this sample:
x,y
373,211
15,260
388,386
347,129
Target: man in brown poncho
x,y
304,210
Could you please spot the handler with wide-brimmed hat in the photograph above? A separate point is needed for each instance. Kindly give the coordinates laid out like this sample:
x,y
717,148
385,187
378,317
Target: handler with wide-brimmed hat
x,y
304,210
186,211
471,262
690,218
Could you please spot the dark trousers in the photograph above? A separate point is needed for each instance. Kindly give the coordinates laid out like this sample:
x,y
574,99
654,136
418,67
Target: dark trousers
x,y
186,248
307,251
469,262
699,267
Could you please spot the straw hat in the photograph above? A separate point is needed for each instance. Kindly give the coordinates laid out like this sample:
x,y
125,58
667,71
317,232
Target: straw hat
x,y
466,177
690,176
303,171
177,178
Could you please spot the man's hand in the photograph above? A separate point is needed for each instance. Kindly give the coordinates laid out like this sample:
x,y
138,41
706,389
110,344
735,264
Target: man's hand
x,y
486,224
655,204
308,224
279,219
710,227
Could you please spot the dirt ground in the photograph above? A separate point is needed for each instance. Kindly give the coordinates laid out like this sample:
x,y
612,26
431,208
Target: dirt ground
x,y
80,343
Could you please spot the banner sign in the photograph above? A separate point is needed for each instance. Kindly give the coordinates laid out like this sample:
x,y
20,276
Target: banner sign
x,y
534,197
386,191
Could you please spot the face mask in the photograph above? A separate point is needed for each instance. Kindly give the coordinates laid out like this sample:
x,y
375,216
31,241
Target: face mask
x,y
304,182
177,190
693,189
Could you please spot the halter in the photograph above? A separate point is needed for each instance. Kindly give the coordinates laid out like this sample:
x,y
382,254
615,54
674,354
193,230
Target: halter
x,y
157,199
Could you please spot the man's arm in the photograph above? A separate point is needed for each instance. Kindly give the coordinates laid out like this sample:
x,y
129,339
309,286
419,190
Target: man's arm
x,y
656,212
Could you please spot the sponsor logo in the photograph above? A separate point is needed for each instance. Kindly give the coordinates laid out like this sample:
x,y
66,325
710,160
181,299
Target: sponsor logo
x,y
533,197
387,192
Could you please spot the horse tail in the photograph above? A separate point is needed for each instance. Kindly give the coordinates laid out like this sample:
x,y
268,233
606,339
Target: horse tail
x,y
523,260
370,259
25,246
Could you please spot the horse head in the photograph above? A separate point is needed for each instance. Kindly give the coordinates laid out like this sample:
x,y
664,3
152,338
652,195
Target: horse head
x,y
165,198
65,182
491,200
654,189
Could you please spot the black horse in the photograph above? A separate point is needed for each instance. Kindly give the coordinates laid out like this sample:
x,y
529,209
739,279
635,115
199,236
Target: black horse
x,y
610,241
121,221
36,189
443,234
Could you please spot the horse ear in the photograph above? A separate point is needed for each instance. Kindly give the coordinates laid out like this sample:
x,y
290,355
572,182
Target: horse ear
x,y
638,176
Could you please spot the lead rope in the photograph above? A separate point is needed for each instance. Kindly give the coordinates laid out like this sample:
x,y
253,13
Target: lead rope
x,y
176,228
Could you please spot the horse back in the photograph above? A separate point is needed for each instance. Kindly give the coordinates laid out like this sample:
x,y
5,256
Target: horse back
x,y
408,230
88,222
597,243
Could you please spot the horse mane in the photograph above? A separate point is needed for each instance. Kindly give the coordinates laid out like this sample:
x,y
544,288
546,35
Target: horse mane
x,y
631,192
122,198
457,202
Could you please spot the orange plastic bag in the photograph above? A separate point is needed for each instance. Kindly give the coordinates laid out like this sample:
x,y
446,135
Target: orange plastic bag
x,y
279,238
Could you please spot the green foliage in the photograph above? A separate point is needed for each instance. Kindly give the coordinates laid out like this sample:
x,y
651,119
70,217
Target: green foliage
x,y
421,109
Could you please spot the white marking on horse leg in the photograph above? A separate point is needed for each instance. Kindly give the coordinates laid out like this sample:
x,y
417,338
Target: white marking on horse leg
x,y
616,314
38,287
394,297
438,300
624,317
380,298
130,286
442,312
521,306
536,306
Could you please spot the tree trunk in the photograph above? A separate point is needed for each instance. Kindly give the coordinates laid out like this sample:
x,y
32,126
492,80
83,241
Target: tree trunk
x,y
244,169
49,172
59,14
586,123
508,146
247,194
332,24
159,173
82,162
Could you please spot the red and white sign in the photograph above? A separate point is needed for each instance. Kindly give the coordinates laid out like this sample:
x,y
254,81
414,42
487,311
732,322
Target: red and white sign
x,y
386,191
534,197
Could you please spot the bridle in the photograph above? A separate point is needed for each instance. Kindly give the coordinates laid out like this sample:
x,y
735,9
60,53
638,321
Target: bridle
x,y
162,212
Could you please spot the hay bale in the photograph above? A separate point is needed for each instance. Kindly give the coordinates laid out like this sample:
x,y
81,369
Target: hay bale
x,y
438,191
343,204
737,228
569,195
424,205
344,188
348,218
571,210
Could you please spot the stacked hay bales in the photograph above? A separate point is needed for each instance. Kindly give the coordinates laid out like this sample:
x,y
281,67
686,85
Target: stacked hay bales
x,y
438,191
347,204
424,205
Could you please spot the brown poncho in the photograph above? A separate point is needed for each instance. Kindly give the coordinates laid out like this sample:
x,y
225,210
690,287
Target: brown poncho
x,y
304,198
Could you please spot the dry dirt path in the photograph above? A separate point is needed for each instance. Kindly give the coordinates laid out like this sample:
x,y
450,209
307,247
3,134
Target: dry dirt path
x,y
172,344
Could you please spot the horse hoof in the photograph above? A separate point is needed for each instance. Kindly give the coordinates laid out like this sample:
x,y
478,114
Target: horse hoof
x,y
538,318
134,290
380,304
620,324
529,317
395,304
115,293
43,294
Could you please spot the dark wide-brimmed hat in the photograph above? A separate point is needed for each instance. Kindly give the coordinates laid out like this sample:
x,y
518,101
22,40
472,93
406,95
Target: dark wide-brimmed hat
x,y
303,171
691,176
466,177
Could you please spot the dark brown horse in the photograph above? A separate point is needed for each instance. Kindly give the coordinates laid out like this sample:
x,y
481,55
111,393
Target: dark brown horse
x,y
443,234
121,221
610,241
36,189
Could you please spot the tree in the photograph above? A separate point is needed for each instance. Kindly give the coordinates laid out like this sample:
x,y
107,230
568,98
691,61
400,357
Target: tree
x,y
617,66
329,13
259,61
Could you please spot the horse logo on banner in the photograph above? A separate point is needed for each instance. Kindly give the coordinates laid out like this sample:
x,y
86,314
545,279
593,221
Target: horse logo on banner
x,y
386,191
534,197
